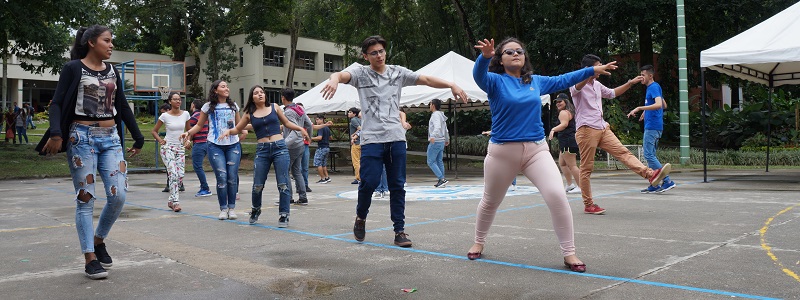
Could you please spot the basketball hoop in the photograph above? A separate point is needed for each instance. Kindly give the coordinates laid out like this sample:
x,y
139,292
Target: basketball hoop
x,y
164,92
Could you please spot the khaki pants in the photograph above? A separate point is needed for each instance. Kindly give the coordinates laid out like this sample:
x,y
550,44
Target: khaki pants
x,y
589,139
355,156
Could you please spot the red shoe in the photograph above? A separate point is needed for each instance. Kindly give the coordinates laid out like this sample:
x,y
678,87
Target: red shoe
x,y
658,175
594,210
473,255
580,268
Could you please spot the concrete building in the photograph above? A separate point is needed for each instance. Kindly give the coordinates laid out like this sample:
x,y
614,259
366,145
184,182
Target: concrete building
x,y
268,66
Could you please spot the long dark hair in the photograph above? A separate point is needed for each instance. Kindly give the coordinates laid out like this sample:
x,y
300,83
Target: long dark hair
x,y
213,100
496,67
81,46
250,107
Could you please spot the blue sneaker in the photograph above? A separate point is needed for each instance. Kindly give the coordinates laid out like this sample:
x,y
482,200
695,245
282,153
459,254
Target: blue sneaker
x,y
203,193
650,189
666,186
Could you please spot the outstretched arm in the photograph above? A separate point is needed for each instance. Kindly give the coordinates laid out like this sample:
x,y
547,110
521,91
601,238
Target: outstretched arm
x,y
330,88
435,82
625,87
656,105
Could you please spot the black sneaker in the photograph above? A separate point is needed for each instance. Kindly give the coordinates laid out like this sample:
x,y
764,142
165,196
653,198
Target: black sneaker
x,y
166,189
181,188
327,180
254,214
320,181
283,221
95,271
355,181
440,183
302,202
401,239
102,255
360,229
308,190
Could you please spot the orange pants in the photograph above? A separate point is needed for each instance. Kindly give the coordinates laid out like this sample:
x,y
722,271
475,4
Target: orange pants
x,y
589,139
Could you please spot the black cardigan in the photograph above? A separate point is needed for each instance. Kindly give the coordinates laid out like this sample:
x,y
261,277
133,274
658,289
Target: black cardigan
x,y
62,109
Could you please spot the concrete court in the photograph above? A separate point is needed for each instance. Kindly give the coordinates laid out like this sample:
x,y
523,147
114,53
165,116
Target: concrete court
x,y
698,241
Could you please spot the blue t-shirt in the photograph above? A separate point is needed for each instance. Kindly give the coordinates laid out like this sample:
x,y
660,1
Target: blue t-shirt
x,y
653,119
325,133
516,106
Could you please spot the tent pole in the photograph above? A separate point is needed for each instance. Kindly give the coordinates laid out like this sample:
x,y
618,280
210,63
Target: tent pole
x,y
769,118
455,134
703,121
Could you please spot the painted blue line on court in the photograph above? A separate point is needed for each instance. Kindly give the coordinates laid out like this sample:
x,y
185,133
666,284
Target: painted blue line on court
x,y
337,237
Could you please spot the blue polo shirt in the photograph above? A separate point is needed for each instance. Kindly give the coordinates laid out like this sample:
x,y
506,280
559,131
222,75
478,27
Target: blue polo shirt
x,y
653,119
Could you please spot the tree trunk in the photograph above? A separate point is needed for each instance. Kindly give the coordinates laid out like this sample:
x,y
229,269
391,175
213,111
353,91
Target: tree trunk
x,y
5,80
294,31
467,28
645,44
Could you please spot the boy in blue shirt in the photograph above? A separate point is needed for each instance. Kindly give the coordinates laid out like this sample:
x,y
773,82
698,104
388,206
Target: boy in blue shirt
x,y
323,148
653,116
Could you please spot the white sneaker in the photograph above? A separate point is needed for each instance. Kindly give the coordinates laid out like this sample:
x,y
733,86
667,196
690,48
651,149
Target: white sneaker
x,y
513,187
570,187
384,194
376,195
223,215
232,214
576,190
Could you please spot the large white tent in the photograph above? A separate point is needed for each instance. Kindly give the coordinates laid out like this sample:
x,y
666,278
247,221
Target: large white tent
x,y
768,53
346,97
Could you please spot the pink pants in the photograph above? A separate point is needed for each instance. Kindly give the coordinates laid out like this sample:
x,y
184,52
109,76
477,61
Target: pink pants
x,y
502,164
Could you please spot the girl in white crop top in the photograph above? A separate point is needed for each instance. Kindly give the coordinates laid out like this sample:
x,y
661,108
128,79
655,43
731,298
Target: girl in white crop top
x,y
172,151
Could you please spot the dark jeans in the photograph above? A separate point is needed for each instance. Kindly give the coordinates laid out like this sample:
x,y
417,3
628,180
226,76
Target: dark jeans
x,y
374,157
199,151
267,154
22,131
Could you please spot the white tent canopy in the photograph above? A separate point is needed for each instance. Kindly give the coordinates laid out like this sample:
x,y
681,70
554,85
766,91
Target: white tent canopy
x,y
451,67
769,51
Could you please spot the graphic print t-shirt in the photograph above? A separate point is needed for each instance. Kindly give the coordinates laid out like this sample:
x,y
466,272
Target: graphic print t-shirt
x,y
96,94
223,118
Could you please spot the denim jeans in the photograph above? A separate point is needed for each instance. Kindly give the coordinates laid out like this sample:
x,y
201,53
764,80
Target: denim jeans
x,y
22,131
274,153
650,144
96,148
296,166
225,162
383,186
374,157
29,122
199,151
436,159
305,164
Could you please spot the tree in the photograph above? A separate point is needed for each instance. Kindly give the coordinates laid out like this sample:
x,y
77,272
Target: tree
x,y
38,33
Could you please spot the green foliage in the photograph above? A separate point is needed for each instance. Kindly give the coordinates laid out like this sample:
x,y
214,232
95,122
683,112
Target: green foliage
x,y
472,145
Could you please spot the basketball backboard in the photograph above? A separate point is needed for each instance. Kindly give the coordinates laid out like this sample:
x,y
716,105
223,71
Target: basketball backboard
x,y
149,75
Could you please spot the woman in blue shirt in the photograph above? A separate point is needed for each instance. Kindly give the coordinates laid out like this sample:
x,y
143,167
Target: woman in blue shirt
x,y
518,141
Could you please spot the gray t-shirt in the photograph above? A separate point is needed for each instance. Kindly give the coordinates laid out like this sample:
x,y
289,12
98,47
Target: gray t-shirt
x,y
380,102
355,122
294,139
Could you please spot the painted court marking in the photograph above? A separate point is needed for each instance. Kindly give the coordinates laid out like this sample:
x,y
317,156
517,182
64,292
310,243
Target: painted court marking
x,y
766,247
449,193
337,237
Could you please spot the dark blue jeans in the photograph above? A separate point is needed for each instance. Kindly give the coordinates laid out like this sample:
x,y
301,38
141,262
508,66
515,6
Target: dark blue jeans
x,y
199,151
305,165
274,153
225,161
374,157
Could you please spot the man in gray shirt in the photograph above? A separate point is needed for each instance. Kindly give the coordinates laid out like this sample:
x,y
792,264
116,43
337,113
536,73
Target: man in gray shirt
x,y
294,141
383,140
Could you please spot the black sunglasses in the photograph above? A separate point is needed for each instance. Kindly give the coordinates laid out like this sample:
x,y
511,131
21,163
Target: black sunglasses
x,y
510,51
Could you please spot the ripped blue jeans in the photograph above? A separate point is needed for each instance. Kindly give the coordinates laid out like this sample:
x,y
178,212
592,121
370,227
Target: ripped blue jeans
x,y
96,148
225,161
274,153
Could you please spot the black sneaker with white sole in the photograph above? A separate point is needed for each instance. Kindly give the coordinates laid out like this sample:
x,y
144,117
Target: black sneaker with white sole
x,y
283,221
102,255
441,183
302,202
254,213
95,271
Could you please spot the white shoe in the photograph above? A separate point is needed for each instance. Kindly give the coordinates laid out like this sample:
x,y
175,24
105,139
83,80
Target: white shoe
x,y
570,187
513,187
223,215
232,214
376,195
576,190
384,194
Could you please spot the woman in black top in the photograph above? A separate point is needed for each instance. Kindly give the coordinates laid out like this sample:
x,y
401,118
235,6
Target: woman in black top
x,y
567,146
86,115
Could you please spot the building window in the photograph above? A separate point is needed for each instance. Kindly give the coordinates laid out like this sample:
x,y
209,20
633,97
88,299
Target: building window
x,y
304,60
241,95
333,63
241,57
273,56
273,95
